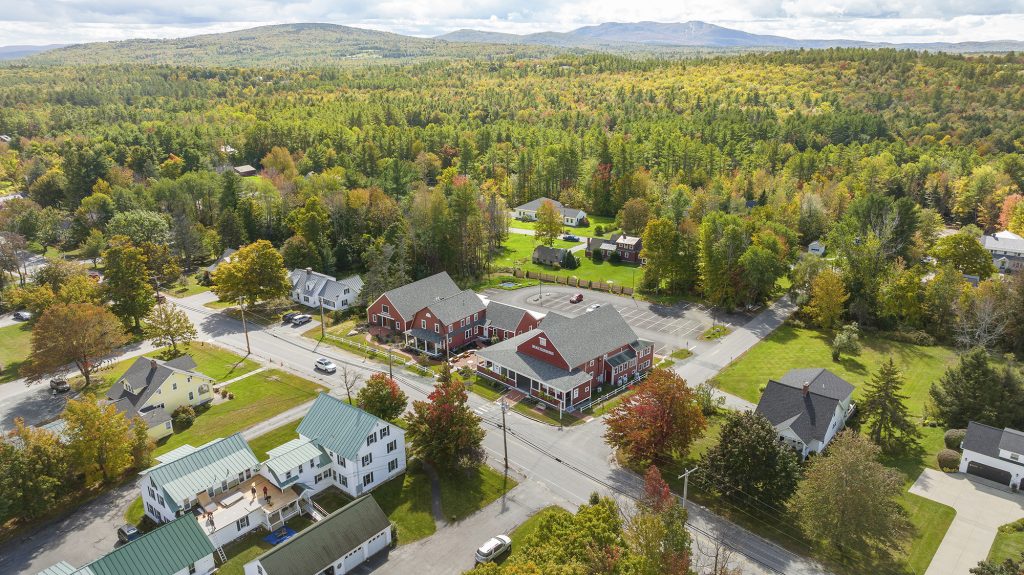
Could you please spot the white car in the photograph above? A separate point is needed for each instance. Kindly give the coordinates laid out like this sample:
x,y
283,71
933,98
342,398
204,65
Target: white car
x,y
593,307
301,319
324,364
494,548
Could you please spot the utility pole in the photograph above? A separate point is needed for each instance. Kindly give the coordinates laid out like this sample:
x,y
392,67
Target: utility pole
x,y
504,431
391,373
323,332
686,483
245,328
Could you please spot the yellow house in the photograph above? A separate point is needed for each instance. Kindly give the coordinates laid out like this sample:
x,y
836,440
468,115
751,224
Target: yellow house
x,y
153,389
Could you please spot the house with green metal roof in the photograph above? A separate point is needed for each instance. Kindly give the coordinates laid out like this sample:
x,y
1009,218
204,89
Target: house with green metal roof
x,y
361,451
336,544
176,548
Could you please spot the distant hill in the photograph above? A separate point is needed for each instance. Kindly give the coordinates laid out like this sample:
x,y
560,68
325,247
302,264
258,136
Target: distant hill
x,y
277,45
696,34
13,52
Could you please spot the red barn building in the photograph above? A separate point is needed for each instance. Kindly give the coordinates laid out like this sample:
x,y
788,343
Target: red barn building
x,y
563,359
505,321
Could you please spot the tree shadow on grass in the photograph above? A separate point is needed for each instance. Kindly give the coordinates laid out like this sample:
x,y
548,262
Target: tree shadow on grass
x,y
853,366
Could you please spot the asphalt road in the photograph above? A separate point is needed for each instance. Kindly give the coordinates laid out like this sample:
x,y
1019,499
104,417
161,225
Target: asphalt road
x,y
569,463
670,327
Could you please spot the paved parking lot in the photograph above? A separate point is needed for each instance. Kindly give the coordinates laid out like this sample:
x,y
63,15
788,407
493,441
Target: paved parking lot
x,y
669,327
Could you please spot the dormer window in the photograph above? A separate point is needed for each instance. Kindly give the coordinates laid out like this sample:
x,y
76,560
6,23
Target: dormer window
x,y
128,387
543,342
310,285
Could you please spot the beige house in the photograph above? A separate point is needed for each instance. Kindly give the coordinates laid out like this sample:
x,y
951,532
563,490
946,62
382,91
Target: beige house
x,y
153,389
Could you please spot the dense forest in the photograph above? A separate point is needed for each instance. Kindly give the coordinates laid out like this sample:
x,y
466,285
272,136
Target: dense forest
x,y
731,164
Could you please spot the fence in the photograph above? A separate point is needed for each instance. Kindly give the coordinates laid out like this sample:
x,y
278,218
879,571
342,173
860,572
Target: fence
x,y
573,281
375,353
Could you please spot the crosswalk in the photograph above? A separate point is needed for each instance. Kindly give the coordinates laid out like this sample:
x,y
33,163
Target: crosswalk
x,y
485,409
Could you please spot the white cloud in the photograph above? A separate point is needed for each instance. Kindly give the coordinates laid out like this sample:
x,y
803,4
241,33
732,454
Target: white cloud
x,y
64,21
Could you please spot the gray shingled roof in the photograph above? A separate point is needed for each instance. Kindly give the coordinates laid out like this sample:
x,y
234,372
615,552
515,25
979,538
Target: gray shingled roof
x,y
316,284
504,316
208,466
411,298
784,404
988,440
822,381
224,256
333,424
534,205
145,376
457,306
316,547
1003,244
504,354
548,255
587,336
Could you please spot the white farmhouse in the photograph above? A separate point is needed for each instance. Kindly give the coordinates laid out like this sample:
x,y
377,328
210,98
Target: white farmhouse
x,y
310,288
994,454
808,407
570,216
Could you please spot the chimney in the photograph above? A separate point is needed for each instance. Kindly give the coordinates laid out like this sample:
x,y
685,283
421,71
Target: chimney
x,y
152,364
309,271
807,388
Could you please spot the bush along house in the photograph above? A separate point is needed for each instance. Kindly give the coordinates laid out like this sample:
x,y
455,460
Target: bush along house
x,y
433,314
563,360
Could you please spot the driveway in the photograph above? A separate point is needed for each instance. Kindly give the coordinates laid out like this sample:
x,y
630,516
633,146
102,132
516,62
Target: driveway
x,y
670,327
980,509
88,532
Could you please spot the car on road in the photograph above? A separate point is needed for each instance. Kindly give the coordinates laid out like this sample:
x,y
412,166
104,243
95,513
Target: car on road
x,y
60,385
22,315
127,533
593,307
494,548
576,298
326,365
571,238
288,317
302,319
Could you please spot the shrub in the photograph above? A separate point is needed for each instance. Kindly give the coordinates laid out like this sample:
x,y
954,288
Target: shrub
x,y
949,460
614,258
599,230
916,337
954,437
183,417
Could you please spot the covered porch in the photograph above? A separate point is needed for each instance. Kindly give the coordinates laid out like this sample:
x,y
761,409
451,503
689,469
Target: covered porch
x,y
556,391
425,341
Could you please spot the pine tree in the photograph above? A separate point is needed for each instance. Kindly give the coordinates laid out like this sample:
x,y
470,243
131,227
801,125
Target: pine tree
x,y
889,422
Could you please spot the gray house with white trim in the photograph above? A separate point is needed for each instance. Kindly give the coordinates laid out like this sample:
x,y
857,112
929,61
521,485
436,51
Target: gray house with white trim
x,y
309,288
994,454
808,407
570,216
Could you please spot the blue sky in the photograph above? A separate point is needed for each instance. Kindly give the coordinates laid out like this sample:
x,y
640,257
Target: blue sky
x,y
70,21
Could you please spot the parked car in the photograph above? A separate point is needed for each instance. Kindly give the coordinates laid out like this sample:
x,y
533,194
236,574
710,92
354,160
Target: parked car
x,y
593,307
570,238
22,315
324,364
302,319
494,548
127,533
60,385
576,298
288,317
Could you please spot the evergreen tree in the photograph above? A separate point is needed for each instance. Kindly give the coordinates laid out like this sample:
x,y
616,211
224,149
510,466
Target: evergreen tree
x,y
883,407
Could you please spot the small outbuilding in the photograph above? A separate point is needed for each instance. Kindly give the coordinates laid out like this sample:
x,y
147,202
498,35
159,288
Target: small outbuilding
x,y
245,171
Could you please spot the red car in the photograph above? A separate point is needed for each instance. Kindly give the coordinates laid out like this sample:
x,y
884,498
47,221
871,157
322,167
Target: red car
x,y
576,298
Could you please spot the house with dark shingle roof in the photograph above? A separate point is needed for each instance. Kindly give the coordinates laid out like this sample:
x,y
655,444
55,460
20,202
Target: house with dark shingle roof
x,y
627,247
808,407
570,216
505,321
310,288
245,171
337,543
994,454
549,256
393,312
177,548
152,389
562,360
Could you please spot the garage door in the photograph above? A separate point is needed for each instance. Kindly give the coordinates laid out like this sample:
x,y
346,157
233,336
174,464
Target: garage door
x,y
989,472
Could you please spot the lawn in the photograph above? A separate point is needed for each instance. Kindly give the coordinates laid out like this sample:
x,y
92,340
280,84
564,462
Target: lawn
x,y
135,512
790,347
1009,543
190,287
503,282
261,444
681,353
406,502
332,499
715,332
244,550
530,408
485,388
517,252
608,223
15,345
211,360
464,493
257,398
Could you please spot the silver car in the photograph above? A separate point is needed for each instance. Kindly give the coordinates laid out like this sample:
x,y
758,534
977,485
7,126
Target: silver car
x,y
326,365
494,548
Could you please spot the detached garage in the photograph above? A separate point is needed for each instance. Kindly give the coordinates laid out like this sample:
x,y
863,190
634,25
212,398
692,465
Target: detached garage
x,y
994,454
334,545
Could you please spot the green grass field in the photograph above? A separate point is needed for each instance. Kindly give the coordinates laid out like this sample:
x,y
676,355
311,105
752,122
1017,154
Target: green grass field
x,y
211,360
517,252
191,287
1009,543
605,222
15,346
463,493
257,398
261,444
790,347
406,502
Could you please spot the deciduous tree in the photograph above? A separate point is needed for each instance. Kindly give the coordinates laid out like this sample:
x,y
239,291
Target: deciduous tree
x,y
846,340
93,246
443,430
660,418
255,273
82,334
831,513
126,281
168,325
140,226
633,216
98,439
382,397
549,223
828,299
965,253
